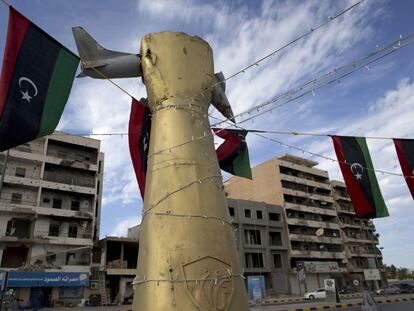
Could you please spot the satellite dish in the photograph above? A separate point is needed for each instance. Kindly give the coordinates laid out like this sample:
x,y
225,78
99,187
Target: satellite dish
x,y
320,232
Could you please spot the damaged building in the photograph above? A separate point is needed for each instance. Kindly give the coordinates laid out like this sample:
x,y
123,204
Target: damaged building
x,y
50,203
325,238
118,265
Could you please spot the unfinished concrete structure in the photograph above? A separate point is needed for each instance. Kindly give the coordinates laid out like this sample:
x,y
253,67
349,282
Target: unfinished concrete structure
x,y
314,229
50,204
119,264
359,237
261,239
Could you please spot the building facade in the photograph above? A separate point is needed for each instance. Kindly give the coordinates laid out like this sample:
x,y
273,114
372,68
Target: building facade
x,y
50,205
315,242
261,239
118,265
360,241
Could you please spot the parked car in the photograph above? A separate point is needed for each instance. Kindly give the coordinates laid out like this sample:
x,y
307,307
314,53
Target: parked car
x,y
317,294
388,290
405,288
347,290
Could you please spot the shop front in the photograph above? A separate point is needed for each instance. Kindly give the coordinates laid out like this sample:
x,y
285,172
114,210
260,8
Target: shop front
x,y
48,289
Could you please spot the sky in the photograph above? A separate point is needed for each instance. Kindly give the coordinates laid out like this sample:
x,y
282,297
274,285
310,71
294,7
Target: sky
x,y
377,101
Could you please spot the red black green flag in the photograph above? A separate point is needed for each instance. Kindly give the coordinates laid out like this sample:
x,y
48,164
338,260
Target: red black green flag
x,y
405,152
36,80
139,137
233,154
358,172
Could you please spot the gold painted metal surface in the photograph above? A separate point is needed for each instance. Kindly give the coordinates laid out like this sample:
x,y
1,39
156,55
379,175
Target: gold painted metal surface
x,y
185,262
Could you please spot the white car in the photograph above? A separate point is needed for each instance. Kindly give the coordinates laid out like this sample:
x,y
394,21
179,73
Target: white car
x,y
318,294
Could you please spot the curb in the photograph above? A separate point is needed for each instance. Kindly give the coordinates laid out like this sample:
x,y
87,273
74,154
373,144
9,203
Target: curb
x,y
283,300
347,305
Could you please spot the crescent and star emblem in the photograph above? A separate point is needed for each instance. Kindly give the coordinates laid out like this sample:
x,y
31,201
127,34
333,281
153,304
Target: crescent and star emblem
x,y
357,170
145,142
25,93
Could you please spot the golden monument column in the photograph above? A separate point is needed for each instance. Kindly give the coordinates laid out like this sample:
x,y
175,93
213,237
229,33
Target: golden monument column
x,y
187,253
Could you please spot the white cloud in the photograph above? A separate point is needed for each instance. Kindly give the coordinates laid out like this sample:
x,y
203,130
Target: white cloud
x,y
240,34
122,226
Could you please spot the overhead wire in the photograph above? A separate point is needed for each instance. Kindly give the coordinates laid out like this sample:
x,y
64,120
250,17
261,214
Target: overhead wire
x,y
394,46
305,34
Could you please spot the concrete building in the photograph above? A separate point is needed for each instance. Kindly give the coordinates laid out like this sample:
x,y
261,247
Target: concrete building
x,y
360,240
50,205
313,227
261,239
119,264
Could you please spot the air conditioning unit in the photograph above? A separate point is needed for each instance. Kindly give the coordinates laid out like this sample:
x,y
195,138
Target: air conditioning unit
x,y
93,285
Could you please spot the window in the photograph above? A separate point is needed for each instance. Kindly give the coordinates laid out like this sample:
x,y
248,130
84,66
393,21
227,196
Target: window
x,y
231,211
16,198
75,205
46,200
71,292
70,258
274,216
73,230
254,260
57,203
277,261
275,238
259,214
20,172
247,213
252,237
54,229
50,258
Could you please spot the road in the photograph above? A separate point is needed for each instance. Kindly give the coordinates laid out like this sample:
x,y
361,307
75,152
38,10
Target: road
x,y
399,306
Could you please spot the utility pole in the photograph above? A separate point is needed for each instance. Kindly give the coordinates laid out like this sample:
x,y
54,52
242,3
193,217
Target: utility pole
x,y
187,258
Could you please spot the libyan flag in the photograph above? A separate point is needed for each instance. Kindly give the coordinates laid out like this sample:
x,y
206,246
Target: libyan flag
x,y
359,175
233,154
36,79
405,153
138,138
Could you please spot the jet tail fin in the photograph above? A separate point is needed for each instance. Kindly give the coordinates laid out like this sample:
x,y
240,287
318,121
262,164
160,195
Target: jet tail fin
x,y
89,49
111,64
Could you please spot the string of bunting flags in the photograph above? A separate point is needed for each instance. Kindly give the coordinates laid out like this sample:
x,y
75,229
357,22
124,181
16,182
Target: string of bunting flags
x,y
352,155
232,154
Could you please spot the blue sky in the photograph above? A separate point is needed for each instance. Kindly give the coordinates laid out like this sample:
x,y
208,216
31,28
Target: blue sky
x,y
378,102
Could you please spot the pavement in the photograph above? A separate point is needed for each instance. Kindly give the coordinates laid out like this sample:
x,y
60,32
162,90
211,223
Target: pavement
x,y
350,303
397,302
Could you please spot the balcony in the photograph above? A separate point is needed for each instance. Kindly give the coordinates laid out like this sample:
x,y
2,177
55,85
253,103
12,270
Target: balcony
x,y
314,238
310,209
312,223
304,181
74,180
70,162
316,254
312,196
